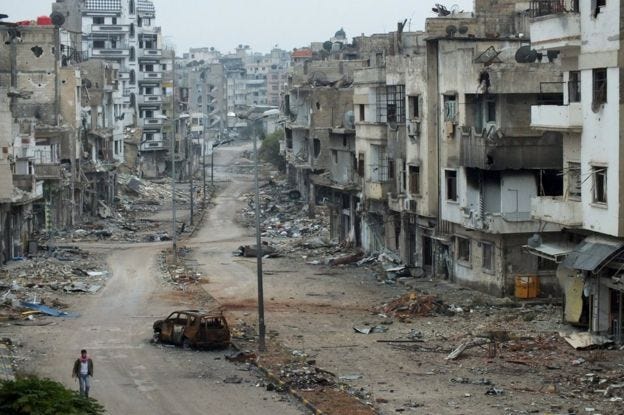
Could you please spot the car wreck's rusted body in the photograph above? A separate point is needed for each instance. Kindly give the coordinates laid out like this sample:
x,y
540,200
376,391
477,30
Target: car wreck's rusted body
x,y
193,328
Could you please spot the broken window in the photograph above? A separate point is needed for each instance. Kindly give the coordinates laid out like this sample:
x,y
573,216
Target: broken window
x,y
414,179
596,5
487,260
379,170
360,164
599,86
451,185
599,175
463,249
574,180
414,110
317,147
450,108
574,86
395,103
381,107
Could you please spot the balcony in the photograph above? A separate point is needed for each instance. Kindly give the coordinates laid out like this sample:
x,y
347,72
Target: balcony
x,y
49,171
150,76
155,145
556,25
371,131
376,75
150,54
110,28
377,190
110,52
557,117
151,122
125,76
150,99
557,210
491,151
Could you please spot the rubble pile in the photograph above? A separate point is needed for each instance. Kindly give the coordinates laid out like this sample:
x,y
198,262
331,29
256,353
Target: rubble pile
x,y
141,195
181,273
55,270
414,304
305,376
284,219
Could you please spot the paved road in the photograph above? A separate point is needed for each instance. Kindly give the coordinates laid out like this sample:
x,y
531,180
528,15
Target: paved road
x,y
133,376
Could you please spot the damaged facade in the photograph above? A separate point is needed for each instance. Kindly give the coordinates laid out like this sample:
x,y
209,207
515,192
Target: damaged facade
x,y
588,114
435,165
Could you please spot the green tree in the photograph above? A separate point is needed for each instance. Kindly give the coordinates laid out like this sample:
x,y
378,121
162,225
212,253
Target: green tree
x,y
270,150
34,396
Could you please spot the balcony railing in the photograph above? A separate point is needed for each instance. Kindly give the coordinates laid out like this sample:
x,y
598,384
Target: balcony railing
x,y
110,28
545,7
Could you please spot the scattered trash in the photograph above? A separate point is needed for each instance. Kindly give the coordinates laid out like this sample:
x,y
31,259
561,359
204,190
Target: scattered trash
x,y
585,340
350,377
46,310
370,329
233,379
494,392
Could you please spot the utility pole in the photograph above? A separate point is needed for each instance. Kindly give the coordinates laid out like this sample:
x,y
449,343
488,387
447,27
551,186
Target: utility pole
x,y
174,237
190,164
261,326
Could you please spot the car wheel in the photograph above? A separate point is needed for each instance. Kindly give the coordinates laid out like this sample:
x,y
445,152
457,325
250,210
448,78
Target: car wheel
x,y
186,344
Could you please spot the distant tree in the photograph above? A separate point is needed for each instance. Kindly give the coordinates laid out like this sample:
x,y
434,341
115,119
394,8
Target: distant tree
x,y
327,45
34,396
270,150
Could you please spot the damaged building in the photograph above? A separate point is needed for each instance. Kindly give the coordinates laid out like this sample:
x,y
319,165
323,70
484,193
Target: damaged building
x,y
588,114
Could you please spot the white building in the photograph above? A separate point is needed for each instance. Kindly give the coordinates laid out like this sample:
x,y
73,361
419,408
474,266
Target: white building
x,y
587,36
123,31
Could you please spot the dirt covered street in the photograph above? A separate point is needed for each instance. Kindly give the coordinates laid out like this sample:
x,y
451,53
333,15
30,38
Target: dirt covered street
x,y
344,332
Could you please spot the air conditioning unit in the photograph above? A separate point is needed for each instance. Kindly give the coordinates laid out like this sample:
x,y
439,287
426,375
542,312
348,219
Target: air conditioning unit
x,y
413,128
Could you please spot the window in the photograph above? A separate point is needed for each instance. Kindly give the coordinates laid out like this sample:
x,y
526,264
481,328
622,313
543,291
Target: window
x,y
378,170
360,164
132,54
487,260
490,110
164,66
99,44
148,137
391,169
114,20
414,109
574,86
414,179
334,154
362,111
131,7
450,108
599,86
596,5
463,248
599,175
317,147
395,103
451,185
98,20
574,180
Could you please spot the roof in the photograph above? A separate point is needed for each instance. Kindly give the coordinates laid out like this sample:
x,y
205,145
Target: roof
x,y
553,251
593,253
145,7
302,53
103,5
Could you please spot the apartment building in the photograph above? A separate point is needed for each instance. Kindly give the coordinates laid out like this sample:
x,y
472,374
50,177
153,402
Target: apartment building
x,y
588,114
122,31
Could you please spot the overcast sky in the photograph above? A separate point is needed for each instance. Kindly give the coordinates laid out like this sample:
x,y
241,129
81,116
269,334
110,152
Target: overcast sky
x,y
263,24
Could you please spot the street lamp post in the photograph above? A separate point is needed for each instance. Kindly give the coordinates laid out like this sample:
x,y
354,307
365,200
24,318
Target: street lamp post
x,y
261,325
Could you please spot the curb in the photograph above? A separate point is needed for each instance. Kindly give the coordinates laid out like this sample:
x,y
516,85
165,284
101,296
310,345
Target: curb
x,y
6,370
270,375
291,391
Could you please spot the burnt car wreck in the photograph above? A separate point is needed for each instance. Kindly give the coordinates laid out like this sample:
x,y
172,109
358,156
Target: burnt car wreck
x,y
193,329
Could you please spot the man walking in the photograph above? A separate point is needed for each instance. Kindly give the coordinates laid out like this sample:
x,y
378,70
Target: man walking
x,y
83,368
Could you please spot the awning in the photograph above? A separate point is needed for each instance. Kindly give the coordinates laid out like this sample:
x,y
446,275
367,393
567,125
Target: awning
x,y
593,253
552,251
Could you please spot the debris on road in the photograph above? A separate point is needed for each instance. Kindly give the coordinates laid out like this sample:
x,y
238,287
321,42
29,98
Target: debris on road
x,y
585,340
414,304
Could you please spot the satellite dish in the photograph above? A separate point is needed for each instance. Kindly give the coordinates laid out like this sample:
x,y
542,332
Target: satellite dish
x,y
3,16
451,30
526,55
455,9
57,19
86,83
552,55
463,30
